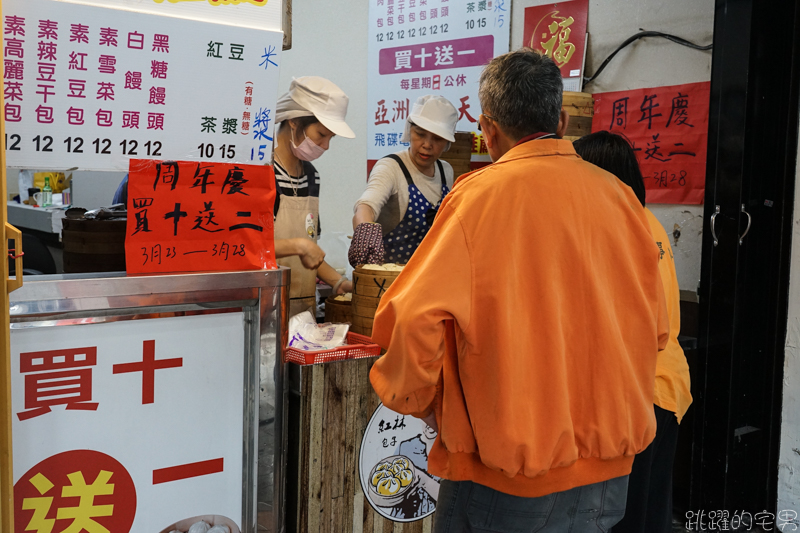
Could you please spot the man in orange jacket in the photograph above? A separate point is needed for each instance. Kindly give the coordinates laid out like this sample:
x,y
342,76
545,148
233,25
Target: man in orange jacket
x,y
527,324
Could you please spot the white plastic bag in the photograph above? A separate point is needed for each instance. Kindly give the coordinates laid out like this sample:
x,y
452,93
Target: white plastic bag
x,y
306,334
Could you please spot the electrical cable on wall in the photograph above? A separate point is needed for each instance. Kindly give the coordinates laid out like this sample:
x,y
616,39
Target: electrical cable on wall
x,y
674,38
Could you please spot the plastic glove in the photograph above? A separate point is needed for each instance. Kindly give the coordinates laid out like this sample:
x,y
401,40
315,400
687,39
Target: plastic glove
x,y
367,245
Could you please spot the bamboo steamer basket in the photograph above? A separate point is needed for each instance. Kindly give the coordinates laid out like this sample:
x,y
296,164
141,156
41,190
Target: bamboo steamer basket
x,y
337,311
361,325
368,288
365,306
92,245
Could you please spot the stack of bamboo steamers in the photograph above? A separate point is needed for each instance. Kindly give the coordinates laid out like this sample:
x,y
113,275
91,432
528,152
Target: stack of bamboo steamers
x,y
370,283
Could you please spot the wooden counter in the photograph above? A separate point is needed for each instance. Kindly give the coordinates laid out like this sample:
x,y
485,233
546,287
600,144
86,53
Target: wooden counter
x,y
331,410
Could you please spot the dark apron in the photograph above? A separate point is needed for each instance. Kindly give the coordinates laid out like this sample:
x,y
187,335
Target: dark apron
x,y
400,243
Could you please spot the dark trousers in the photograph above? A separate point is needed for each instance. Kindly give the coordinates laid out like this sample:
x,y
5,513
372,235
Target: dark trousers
x,y
467,507
649,506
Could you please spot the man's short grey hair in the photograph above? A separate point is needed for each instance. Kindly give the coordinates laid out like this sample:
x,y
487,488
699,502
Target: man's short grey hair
x,y
522,92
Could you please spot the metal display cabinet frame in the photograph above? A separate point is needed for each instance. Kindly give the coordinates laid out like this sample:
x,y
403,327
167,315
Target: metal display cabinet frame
x,y
262,297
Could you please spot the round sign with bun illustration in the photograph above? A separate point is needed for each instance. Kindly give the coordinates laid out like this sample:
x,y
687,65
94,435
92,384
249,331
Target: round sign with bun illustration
x,y
394,466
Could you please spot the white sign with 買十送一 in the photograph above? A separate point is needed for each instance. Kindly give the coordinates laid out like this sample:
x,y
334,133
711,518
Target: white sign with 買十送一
x,y
93,87
393,466
419,47
142,419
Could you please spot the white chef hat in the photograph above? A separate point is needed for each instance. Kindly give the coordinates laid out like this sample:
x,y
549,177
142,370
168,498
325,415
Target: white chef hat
x,y
435,114
315,96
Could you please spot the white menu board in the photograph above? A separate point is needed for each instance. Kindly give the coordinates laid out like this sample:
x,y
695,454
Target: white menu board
x,y
92,87
259,14
128,426
419,47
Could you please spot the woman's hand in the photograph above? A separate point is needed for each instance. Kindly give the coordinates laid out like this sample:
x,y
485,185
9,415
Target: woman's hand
x,y
310,254
345,287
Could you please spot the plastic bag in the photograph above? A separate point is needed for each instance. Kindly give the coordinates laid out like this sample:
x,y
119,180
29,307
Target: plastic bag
x,y
306,334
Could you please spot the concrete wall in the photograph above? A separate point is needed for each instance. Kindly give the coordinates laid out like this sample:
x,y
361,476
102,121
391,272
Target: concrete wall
x,y
789,465
329,39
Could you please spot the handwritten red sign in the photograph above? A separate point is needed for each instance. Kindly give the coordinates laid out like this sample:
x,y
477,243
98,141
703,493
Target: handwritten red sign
x,y
558,31
195,216
668,129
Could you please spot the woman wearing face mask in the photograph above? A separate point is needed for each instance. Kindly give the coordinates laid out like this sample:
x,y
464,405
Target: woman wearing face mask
x,y
405,189
310,114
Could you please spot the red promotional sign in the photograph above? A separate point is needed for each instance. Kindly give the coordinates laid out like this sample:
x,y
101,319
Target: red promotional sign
x,y
668,129
558,31
188,217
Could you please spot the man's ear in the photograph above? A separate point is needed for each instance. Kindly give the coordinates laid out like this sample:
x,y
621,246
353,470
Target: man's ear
x,y
488,133
563,122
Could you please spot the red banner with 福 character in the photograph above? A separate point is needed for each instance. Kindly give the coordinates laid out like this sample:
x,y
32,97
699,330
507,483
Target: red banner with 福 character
x,y
668,129
558,31
189,216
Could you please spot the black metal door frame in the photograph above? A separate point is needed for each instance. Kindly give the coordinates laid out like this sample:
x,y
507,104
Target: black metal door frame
x,y
752,153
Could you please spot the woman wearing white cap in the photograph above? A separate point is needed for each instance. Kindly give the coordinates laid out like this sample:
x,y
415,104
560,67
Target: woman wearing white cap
x,y
405,189
310,115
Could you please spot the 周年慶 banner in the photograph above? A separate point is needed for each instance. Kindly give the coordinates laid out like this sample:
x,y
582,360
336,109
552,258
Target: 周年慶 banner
x,y
668,129
185,216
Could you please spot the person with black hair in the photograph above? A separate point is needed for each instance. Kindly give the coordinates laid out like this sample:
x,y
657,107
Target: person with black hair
x,y
649,504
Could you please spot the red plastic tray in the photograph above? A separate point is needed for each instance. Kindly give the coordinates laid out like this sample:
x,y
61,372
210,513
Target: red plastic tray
x,y
357,347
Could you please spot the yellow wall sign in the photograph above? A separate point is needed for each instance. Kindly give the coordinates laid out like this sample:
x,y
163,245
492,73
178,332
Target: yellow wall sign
x,y
219,2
